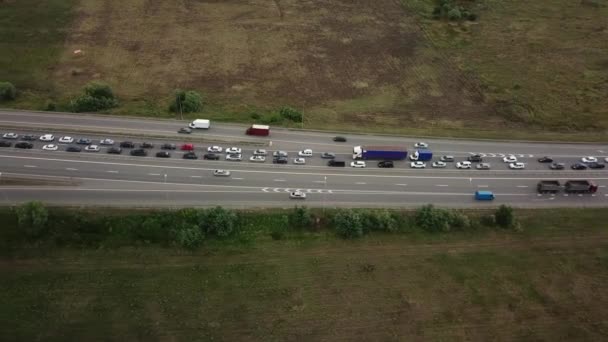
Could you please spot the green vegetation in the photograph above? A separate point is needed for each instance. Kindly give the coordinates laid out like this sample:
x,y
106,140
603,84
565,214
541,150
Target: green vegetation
x,y
186,101
7,91
449,9
97,96
545,283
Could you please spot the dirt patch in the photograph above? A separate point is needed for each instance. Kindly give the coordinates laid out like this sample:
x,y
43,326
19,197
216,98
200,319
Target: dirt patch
x,y
338,56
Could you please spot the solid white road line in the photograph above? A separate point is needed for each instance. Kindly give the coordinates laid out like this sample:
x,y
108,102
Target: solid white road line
x,y
294,173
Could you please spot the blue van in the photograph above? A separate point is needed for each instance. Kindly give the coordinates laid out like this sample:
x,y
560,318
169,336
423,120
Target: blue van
x,y
484,195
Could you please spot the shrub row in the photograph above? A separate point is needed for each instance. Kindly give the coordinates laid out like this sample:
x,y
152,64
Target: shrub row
x,y
189,228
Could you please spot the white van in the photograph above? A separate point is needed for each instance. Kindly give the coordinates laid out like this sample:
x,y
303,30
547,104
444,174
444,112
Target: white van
x,y
200,123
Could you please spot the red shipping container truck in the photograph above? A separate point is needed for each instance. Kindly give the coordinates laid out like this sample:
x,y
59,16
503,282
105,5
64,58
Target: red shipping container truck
x,y
260,130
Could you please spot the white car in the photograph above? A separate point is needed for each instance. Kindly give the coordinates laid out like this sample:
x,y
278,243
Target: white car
x,y
66,140
47,137
297,195
357,163
260,152
50,147
606,159
299,161
510,159
10,136
305,153
417,165
215,149
92,148
589,160
439,164
421,145
221,173
257,159
234,157
463,165
106,142
517,166
233,150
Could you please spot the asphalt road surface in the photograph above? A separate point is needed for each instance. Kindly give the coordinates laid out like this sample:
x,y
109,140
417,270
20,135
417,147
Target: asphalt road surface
x,y
123,180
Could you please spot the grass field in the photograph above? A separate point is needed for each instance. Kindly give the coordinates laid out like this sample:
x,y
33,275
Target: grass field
x,y
372,65
547,283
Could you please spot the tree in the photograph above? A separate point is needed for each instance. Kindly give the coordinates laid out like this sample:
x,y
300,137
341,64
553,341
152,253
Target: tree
x,y
7,91
379,220
300,217
504,216
188,101
432,219
219,221
32,217
454,14
348,224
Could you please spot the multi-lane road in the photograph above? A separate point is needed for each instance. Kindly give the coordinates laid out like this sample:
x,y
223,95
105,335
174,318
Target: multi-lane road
x,y
123,180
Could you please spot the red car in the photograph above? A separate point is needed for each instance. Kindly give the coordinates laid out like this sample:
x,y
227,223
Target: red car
x,y
187,147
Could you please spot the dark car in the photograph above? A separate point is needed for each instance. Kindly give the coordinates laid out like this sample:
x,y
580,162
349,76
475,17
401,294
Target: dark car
x,y
140,152
84,141
190,155
280,160
475,158
168,147
163,154
336,163
596,165
29,137
24,144
73,149
146,145
115,150
127,144
211,156
386,163
557,166
328,155
340,139
5,143
545,160
184,130
579,166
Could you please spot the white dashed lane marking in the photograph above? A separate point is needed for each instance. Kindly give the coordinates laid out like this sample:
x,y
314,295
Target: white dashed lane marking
x,y
71,169
111,171
279,180
153,174
522,186
441,185
30,166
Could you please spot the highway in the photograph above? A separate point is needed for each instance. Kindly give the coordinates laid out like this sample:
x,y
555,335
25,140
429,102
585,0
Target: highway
x,y
103,179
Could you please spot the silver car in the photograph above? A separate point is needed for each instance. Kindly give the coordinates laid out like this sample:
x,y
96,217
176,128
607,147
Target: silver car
x,y
106,142
260,152
221,173
257,159
234,157
482,166
297,195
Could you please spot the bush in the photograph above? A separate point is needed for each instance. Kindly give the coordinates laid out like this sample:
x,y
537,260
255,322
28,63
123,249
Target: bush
x,y
255,116
300,217
32,218
219,221
454,14
99,90
504,216
7,91
432,219
290,114
88,103
378,220
97,96
189,236
348,224
188,101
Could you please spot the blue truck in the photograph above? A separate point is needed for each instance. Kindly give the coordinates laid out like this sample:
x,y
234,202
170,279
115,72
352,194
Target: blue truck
x,y
422,155
379,152
484,195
